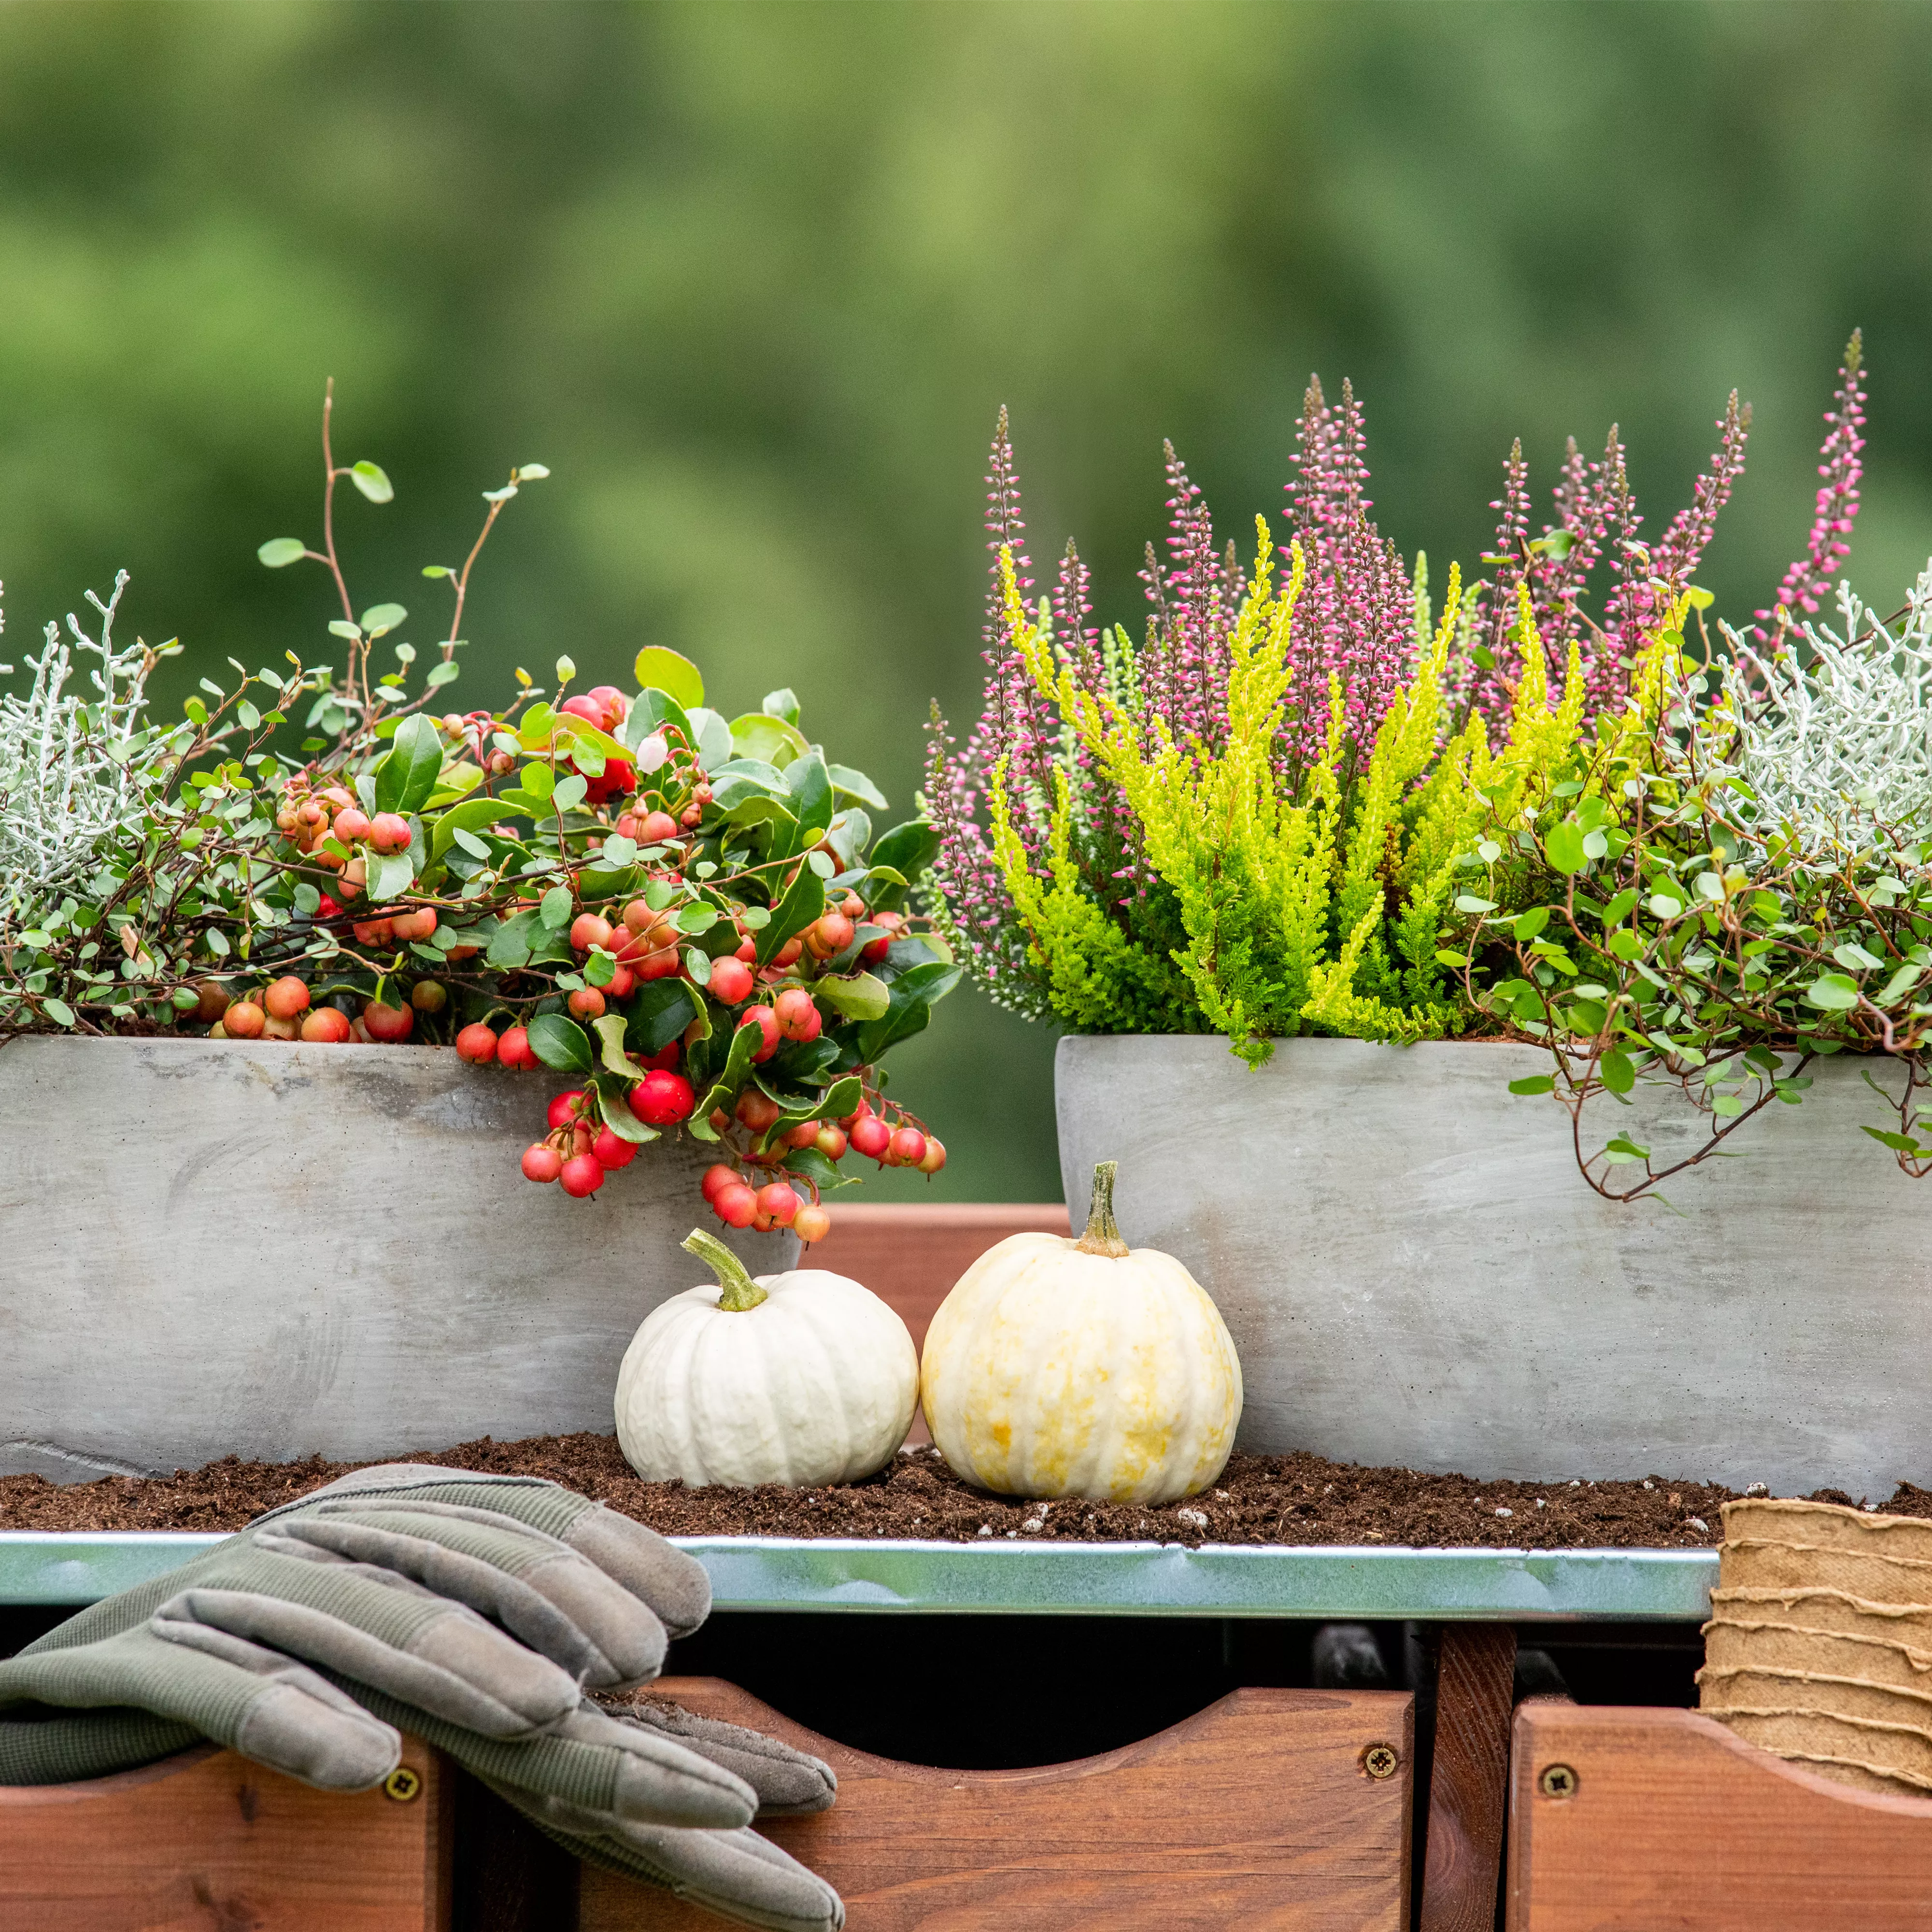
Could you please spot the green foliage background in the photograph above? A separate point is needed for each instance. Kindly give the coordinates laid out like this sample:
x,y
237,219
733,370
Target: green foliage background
x,y
752,279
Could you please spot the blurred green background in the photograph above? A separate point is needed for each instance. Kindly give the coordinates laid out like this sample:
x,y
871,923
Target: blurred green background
x,y
753,279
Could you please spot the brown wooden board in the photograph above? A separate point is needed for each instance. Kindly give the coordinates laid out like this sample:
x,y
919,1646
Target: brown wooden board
x,y
1643,1820
207,1842
1475,1681
1259,1812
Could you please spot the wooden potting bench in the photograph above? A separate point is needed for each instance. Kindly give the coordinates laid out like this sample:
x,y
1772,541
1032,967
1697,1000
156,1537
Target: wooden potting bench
x,y
1290,1811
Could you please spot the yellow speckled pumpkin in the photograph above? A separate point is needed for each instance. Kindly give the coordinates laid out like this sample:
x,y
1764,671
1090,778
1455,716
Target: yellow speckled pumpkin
x,y
1064,1368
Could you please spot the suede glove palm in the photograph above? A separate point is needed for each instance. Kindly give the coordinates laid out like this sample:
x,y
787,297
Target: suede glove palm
x,y
473,1610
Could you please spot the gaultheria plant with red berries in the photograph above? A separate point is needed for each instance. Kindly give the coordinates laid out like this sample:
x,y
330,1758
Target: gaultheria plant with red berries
x,y
690,916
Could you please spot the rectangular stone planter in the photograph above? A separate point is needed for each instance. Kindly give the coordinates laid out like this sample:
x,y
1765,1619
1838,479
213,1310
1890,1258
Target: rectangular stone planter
x,y
268,1249
1414,1272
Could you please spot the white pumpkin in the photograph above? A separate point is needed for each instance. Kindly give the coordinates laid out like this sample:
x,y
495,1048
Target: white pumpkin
x,y
1064,1368
804,1378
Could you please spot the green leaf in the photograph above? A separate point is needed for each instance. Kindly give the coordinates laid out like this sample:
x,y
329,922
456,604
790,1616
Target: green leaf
x,y
368,478
1833,991
1534,1083
1468,902
1617,1071
380,619
1901,982
1563,847
850,784
1530,923
59,1011
472,815
808,1164
407,774
781,703
1627,945
698,918
908,849
278,553
1726,1106
571,792
910,1007
745,1042
1855,959
390,875
440,674
661,670
860,997
1445,958
1666,905
555,908
810,792
659,1014
251,718
713,734
560,1043
796,911
617,1115
770,739
1899,1143
609,1032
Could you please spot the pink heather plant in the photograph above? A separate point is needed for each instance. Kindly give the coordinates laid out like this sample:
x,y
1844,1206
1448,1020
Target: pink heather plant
x,y
1354,642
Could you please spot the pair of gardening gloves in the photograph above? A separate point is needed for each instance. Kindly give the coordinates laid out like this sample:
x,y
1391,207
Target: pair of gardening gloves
x,y
473,1610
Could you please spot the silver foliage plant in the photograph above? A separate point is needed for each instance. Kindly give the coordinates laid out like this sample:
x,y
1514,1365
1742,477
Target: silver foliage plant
x,y
1836,748
78,767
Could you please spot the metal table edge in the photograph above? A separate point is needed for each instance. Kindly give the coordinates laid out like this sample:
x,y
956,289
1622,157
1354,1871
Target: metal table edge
x,y
1327,1581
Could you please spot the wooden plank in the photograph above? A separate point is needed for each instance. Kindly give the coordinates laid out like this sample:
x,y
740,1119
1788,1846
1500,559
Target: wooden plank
x,y
1259,1812
1468,1777
207,1842
1662,1819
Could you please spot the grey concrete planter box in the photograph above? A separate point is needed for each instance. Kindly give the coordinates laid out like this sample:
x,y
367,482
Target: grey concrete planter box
x,y
1414,1274
208,1247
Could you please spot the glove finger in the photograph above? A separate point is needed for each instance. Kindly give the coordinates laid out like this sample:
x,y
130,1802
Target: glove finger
x,y
538,1588
790,1783
615,1770
674,1585
737,1874
437,1656
256,1702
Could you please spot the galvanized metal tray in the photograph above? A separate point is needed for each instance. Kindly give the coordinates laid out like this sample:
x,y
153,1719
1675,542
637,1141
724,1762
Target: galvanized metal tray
x,y
1010,1578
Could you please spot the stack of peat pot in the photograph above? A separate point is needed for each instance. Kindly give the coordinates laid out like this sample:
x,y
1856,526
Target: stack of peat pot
x,y
1819,1645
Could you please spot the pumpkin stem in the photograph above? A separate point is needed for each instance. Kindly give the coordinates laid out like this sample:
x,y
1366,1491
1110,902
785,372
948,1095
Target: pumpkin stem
x,y
1103,1234
741,1291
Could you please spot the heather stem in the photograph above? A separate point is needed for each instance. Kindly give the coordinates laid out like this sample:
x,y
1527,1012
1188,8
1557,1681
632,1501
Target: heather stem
x,y
740,1291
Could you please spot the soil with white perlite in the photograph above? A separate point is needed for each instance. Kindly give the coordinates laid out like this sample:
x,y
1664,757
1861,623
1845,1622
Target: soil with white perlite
x,y
1259,1499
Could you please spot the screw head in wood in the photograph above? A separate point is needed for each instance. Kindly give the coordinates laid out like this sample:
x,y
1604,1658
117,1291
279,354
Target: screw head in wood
x,y
1381,1760
1558,1780
402,1784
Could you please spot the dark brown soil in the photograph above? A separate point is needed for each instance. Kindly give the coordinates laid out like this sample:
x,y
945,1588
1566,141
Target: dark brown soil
x,y
1259,1499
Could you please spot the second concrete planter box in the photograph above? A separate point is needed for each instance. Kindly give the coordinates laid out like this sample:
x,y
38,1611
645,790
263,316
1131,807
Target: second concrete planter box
x,y
216,1246
1414,1272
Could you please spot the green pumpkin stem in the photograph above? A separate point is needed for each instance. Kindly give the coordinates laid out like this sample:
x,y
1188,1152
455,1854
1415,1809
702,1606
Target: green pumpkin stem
x,y
741,1291
1103,1233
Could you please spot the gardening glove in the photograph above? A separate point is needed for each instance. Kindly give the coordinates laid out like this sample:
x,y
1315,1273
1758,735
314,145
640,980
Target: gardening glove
x,y
471,1610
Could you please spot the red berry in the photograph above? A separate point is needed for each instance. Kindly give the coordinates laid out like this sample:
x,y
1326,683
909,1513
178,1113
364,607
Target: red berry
x,y
665,1061
662,1100
389,1025
587,1003
583,1174
659,965
328,908
638,915
871,1137
934,1157
758,1111
588,929
615,706
736,1206
584,705
389,832
285,999
542,1161
908,1148
812,1223
798,1018
779,1202
326,1025
748,951
352,824
717,1176
766,1021
417,925
858,1114
513,1050
429,996
623,981
658,828
803,1134
373,931
787,954
611,1151
563,1109
730,981
477,1044
830,935
831,1142
244,1021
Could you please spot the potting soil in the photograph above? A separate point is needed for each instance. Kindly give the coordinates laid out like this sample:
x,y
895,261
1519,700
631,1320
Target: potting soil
x,y
1259,1499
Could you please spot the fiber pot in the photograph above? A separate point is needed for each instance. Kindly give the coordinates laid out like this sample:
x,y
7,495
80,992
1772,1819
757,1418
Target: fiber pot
x,y
1414,1272
269,1249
